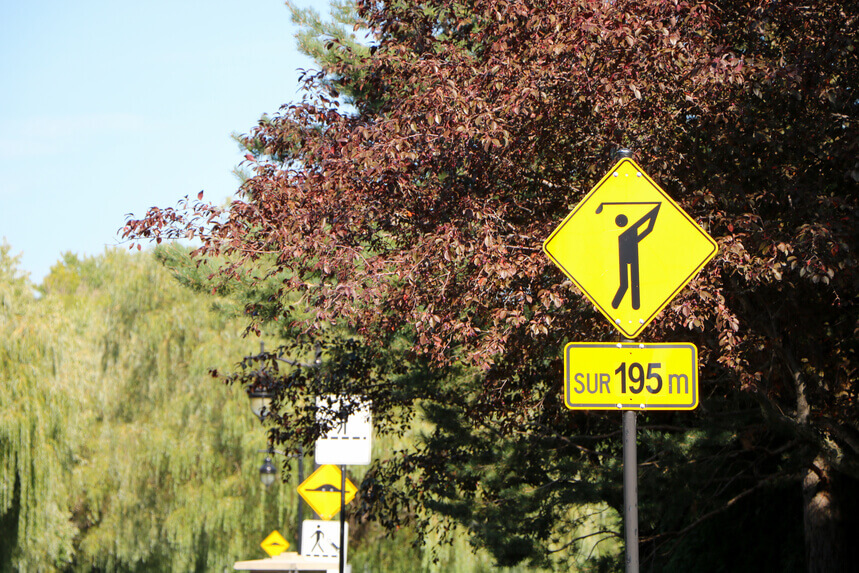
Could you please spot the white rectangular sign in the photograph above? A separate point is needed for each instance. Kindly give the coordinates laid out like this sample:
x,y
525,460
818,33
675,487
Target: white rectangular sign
x,y
321,539
349,442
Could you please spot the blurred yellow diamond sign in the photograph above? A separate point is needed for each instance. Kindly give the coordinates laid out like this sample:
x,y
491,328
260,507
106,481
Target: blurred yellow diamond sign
x,y
321,491
629,247
274,544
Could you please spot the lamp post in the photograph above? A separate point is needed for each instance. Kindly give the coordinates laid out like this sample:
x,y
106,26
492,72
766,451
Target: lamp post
x,y
268,475
260,398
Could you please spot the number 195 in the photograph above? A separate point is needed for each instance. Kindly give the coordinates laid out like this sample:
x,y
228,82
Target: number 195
x,y
636,376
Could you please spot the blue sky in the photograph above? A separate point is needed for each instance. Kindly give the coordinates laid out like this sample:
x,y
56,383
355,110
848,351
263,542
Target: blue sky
x,y
108,107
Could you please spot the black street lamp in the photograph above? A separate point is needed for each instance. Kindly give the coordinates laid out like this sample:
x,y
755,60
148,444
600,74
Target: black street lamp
x,y
267,472
268,475
260,397
260,393
260,402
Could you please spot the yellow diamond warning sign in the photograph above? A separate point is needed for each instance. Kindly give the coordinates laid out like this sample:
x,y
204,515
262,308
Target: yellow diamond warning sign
x,y
629,247
322,491
274,544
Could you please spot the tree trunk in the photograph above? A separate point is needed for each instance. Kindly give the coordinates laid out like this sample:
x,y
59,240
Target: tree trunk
x,y
823,532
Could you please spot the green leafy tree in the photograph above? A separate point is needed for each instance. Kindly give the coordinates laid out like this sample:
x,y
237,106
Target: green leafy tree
x,y
417,216
116,450
36,445
118,453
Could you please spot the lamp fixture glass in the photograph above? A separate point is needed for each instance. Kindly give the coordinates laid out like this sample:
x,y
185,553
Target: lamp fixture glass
x,y
260,403
267,472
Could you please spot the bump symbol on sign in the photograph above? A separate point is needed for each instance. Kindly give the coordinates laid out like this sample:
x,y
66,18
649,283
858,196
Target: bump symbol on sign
x,y
322,491
274,544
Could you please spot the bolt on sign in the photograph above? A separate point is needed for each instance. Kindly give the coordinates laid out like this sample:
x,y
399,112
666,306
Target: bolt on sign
x,y
630,376
322,491
274,544
629,247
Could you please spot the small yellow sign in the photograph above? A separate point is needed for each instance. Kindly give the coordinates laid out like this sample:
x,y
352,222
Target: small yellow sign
x,y
629,247
630,376
274,544
321,491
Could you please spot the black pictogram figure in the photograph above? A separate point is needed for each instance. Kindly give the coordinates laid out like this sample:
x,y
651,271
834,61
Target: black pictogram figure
x,y
341,427
627,250
318,536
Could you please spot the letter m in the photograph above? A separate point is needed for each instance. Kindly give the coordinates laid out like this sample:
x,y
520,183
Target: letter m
x,y
672,378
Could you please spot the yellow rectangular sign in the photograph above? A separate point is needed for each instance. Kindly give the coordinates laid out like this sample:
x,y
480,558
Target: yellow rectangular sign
x,y
630,376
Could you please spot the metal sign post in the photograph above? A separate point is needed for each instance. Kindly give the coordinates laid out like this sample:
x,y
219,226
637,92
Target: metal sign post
x,y
342,518
630,491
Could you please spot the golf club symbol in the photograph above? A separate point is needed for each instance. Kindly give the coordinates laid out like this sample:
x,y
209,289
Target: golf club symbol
x,y
627,249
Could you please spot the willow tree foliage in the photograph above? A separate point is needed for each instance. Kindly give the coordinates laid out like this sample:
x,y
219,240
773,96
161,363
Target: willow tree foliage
x,y
117,451
36,453
416,216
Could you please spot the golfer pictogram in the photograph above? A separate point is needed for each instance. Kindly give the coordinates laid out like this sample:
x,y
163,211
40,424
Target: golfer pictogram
x,y
627,250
